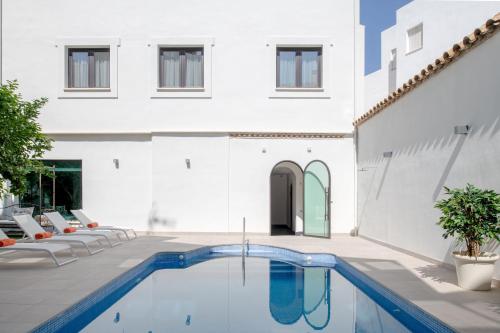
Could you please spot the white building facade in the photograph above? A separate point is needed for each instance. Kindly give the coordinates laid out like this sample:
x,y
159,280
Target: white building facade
x,y
442,130
423,29
176,113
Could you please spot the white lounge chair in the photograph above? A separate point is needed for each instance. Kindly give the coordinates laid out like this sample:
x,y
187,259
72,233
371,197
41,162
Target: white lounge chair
x,y
51,249
84,221
60,224
31,228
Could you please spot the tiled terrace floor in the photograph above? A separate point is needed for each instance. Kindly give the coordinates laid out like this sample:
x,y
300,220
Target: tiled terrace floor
x,y
32,289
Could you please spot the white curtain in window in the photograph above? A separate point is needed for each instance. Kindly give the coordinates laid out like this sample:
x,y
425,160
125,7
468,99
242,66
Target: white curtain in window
x,y
171,69
287,69
194,69
80,70
101,69
310,69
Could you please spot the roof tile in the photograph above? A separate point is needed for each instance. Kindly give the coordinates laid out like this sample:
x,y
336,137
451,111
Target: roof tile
x,y
490,27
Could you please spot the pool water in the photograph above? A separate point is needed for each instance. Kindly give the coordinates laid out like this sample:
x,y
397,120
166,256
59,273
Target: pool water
x,y
238,294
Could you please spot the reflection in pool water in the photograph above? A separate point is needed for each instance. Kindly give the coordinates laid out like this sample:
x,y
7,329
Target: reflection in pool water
x,y
263,295
295,292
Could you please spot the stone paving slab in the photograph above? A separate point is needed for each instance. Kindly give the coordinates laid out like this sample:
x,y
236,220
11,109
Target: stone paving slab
x,y
32,289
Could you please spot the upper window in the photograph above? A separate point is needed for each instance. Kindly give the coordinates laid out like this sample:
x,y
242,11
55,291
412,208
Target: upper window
x,y
414,39
88,68
181,67
298,67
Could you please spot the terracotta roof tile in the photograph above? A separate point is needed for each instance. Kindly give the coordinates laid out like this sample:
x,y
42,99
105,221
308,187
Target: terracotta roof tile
x,y
490,27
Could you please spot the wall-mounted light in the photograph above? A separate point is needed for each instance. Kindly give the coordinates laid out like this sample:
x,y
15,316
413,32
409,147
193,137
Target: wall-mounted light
x,y
464,129
188,163
116,162
387,154
264,150
309,149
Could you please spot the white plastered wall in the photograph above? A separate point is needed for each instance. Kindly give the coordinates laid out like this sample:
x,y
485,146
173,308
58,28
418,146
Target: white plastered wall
x,y
191,199
396,196
110,195
444,24
250,169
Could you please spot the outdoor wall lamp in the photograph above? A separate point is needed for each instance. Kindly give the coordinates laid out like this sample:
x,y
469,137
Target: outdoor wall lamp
x,y
116,163
464,129
387,154
188,163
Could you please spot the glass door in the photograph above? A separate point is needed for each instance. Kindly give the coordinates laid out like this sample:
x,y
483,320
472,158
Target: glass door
x,y
317,200
61,192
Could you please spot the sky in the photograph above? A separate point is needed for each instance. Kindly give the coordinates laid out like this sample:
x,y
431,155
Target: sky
x,y
376,16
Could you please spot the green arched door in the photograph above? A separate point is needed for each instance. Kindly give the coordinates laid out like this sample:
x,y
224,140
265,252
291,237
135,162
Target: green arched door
x,y
317,200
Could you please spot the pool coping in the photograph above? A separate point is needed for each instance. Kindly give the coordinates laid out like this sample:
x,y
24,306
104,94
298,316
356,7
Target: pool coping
x,y
382,295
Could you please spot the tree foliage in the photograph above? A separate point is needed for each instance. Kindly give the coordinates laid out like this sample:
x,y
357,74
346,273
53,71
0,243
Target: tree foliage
x,y
21,139
471,214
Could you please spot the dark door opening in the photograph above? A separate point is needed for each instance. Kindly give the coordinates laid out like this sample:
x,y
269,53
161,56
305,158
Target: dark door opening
x,y
286,201
281,204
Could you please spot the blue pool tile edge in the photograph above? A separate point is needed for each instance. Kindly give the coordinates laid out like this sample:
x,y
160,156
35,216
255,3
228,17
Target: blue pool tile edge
x,y
117,287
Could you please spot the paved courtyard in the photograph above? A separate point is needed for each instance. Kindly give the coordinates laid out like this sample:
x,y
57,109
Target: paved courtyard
x,y
32,289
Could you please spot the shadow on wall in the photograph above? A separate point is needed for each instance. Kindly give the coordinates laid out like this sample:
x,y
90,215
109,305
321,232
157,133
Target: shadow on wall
x,y
382,180
448,167
154,220
485,129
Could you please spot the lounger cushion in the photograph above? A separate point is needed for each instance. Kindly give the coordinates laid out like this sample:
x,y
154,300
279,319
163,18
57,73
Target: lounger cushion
x,y
43,235
7,242
69,230
92,225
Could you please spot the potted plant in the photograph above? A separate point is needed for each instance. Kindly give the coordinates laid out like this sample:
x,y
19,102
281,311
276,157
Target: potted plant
x,y
472,215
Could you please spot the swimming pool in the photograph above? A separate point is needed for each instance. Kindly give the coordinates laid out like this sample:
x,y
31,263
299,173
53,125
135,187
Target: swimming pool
x,y
216,289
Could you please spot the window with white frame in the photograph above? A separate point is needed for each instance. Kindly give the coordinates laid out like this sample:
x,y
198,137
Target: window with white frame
x,y
298,67
414,38
180,67
88,68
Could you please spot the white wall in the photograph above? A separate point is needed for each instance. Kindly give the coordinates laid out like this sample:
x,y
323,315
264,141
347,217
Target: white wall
x,y
228,178
111,196
444,24
194,199
240,63
250,169
396,195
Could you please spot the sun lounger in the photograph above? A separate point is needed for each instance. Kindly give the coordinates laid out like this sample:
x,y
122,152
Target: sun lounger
x,y
50,249
35,233
85,221
60,224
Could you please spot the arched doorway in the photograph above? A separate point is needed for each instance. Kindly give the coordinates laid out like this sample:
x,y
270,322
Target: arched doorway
x,y
287,188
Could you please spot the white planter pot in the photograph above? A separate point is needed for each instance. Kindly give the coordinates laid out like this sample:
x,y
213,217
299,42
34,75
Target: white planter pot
x,y
475,274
